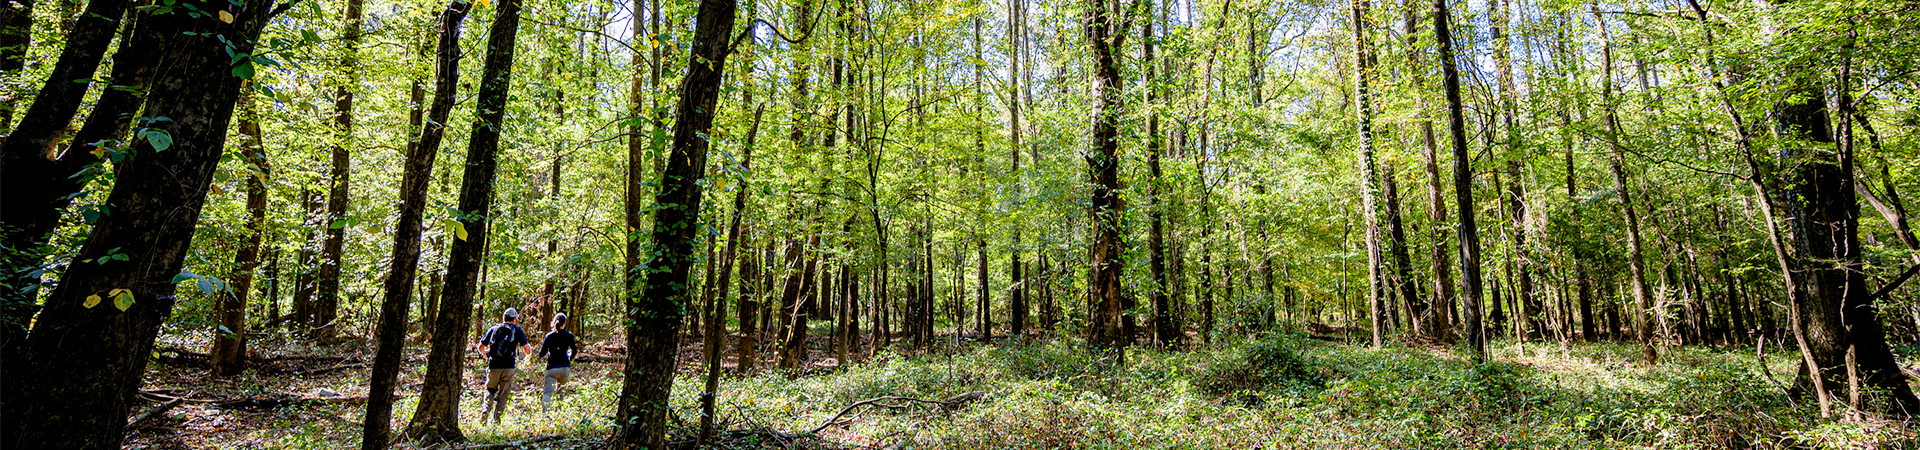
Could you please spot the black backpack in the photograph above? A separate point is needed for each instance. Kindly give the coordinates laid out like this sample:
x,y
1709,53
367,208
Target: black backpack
x,y
499,342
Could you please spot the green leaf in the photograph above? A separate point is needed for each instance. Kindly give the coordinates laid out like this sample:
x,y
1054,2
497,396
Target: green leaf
x,y
124,300
244,70
184,276
337,224
159,138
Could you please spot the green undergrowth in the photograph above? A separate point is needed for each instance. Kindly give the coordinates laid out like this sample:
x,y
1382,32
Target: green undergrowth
x,y
1273,392
1288,392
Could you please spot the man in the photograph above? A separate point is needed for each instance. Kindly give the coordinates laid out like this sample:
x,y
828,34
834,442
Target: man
x,y
559,348
497,346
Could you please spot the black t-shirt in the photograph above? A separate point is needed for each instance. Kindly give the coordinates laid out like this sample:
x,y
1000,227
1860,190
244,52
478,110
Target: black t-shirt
x,y
506,334
559,348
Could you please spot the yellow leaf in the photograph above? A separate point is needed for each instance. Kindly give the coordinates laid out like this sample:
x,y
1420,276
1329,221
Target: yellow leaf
x,y
459,229
226,17
481,4
115,292
92,300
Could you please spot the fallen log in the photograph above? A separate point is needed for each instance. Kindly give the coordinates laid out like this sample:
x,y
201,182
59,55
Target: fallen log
x,y
152,413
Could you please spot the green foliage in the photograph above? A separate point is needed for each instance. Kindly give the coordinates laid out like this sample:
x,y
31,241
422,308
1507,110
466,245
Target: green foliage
x,y
1267,367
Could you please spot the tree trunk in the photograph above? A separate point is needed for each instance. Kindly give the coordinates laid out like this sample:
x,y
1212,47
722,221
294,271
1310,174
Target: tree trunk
x,y
1164,332
32,168
398,287
1636,266
1103,170
229,351
749,306
1469,232
16,35
437,418
303,289
1402,261
652,340
36,179
87,360
339,180
1369,175
1017,296
716,333
1435,320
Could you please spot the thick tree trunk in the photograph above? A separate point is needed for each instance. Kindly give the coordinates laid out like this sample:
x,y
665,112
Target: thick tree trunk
x,y
376,427
229,351
1469,230
652,340
437,418
36,179
29,159
1103,171
16,35
87,360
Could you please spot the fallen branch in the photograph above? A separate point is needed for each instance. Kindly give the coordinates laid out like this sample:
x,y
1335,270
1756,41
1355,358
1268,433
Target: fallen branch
x,y
326,369
514,444
949,404
302,358
159,396
151,413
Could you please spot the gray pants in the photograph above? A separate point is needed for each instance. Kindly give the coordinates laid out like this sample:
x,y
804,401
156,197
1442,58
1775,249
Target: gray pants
x,y
499,390
555,377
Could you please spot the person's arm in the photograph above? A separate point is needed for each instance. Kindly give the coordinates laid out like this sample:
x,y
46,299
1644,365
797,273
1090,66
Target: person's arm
x,y
481,345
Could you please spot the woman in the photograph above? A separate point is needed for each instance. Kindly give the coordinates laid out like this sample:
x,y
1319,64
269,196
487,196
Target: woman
x,y
559,348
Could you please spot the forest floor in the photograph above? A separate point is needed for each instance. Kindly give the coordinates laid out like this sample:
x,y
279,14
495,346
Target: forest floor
x,y
1274,392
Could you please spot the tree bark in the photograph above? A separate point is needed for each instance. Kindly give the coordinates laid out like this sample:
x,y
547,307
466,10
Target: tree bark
x,y
716,333
1164,331
36,179
1103,171
1369,174
1435,320
652,340
16,35
376,427
1469,231
437,418
229,353
1636,266
339,180
87,361
29,159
